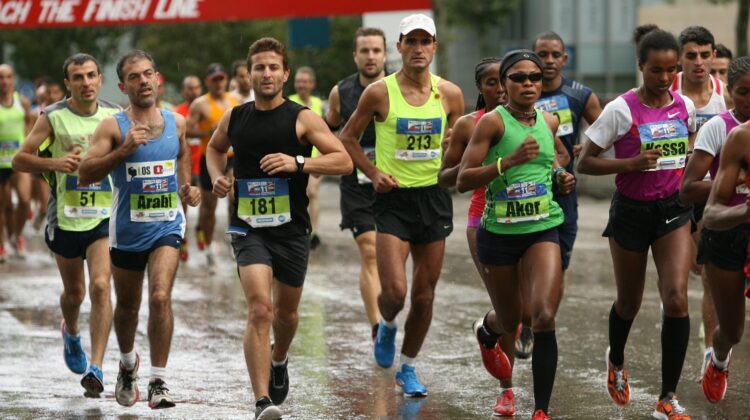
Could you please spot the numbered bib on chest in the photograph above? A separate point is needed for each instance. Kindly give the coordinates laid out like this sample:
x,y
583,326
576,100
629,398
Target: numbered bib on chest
x,y
153,196
361,177
418,138
87,201
701,119
263,202
558,106
522,202
669,136
8,148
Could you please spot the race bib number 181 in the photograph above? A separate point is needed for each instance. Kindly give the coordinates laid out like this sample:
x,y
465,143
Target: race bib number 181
x,y
263,202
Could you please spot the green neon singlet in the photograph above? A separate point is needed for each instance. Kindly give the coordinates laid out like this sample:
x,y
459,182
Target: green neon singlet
x,y
12,130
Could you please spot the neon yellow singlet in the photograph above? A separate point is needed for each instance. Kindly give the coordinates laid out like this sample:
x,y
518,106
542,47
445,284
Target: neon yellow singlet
x,y
316,106
409,142
12,130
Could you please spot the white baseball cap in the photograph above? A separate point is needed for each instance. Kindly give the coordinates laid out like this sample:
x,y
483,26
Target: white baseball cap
x,y
417,21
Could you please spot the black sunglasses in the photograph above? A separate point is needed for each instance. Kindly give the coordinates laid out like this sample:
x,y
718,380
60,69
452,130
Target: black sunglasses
x,y
522,77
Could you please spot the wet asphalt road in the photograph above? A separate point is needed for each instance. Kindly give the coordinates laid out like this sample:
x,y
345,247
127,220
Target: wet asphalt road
x,y
333,375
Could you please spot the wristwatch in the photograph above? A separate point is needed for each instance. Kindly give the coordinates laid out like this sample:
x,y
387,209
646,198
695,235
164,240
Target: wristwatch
x,y
300,162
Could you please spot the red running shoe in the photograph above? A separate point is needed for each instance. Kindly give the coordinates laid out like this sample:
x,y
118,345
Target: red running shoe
x,y
494,360
617,382
540,415
201,238
714,382
506,404
670,409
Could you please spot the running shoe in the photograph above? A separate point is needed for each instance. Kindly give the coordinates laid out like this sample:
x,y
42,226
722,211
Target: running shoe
x,y
184,251
494,360
374,332
19,247
524,343
75,357
704,365
93,382
714,381
406,378
540,415
669,409
506,404
385,345
265,410
278,383
617,382
158,395
126,390
201,238
3,254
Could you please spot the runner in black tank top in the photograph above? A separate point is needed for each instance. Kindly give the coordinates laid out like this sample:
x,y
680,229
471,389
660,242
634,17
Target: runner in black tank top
x,y
272,139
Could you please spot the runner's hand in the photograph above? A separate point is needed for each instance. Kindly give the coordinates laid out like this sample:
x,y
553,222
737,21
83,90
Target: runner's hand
x,y
577,149
526,151
646,160
190,195
222,186
566,182
278,163
136,136
383,182
68,163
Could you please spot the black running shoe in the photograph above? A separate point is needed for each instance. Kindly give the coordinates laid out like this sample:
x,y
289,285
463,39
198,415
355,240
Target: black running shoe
x,y
278,383
265,410
525,343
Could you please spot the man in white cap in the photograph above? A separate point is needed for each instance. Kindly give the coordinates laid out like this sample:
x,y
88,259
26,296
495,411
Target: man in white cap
x,y
412,110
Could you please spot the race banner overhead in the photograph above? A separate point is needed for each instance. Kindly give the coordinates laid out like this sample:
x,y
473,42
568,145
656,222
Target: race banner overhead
x,y
62,13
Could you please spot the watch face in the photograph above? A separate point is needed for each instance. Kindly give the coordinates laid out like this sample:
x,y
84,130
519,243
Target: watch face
x,y
300,159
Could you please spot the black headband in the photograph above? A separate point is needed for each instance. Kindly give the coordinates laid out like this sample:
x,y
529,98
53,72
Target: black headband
x,y
513,57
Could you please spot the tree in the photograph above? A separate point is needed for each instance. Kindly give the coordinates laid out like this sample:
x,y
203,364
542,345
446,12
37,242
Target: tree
x,y
740,25
479,15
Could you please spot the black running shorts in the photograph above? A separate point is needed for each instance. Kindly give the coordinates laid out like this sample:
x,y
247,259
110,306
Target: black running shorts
x,y
416,215
286,255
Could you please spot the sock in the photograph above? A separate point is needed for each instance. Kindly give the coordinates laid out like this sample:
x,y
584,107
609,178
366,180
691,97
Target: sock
x,y
406,360
157,373
618,335
128,359
391,324
544,368
720,364
675,333
277,364
505,389
486,336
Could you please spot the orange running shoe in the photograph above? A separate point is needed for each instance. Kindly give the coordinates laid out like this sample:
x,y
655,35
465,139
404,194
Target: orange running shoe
x,y
714,382
201,238
506,404
670,409
540,415
184,251
494,360
617,382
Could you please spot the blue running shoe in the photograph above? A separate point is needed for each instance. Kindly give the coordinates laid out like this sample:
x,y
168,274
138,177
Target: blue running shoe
x,y
385,345
93,382
73,352
407,379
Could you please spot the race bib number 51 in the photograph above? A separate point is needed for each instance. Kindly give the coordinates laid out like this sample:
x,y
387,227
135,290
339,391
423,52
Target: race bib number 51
x,y
87,201
418,138
671,137
522,202
263,202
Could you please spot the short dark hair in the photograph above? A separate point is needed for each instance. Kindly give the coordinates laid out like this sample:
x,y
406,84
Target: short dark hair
x,y
723,52
656,40
267,44
367,32
78,59
236,64
131,56
737,69
307,69
640,31
547,36
697,34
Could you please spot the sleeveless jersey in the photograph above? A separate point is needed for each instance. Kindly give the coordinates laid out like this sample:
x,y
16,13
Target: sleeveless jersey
x,y
147,205
350,90
12,130
278,204
216,111
316,104
568,104
409,142
520,201
476,207
72,207
715,105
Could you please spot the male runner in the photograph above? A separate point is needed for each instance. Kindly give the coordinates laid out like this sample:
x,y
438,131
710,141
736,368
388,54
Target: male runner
x,y
205,113
697,53
720,69
412,110
241,76
144,148
16,119
78,220
270,227
572,103
357,195
304,86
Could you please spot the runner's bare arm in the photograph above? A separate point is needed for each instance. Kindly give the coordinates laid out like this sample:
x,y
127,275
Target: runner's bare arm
x,y
593,109
27,160
107,149
693,188
453,101
471,173
718,215
216,156
456,147
367,109
188,194
29,118
590,162
196,114
333,116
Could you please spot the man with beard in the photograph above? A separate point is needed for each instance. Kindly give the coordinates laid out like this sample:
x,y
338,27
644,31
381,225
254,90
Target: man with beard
x,y
241,76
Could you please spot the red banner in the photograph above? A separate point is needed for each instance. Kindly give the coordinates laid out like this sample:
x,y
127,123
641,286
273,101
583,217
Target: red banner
x,y
61,13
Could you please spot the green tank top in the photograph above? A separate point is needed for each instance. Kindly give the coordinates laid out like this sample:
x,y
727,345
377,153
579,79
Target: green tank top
x,y
12,130
520,201
72,207
409,142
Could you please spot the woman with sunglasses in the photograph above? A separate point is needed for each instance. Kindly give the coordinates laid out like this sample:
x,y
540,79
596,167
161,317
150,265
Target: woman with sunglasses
x,y
651,131
512,152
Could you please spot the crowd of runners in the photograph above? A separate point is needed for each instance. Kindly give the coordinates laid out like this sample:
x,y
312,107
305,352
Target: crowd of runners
x,y
113,186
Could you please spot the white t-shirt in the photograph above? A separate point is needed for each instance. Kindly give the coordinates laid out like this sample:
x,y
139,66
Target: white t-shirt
x,y
715,105
713,135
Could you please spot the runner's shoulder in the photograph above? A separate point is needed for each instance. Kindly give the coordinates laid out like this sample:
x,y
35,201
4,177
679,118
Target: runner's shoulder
x,y
449,89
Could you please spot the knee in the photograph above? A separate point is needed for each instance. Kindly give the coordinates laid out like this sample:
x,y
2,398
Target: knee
x,y
675,303
543,319
368,254
394,297
260,314
74,295
99,290
627,308
422,301
160,301
286,316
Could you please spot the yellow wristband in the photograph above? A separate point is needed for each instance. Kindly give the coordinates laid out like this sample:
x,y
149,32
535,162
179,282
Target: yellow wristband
x,y
499,165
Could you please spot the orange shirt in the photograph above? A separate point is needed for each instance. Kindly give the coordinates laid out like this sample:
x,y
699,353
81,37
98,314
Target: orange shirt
x,y
216,111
